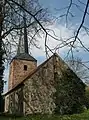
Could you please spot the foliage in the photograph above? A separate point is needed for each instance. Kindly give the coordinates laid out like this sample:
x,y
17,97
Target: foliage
x,y
87,97
83,116
70,93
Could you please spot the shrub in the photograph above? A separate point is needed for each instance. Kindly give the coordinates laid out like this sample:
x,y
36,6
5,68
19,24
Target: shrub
x,y
87,97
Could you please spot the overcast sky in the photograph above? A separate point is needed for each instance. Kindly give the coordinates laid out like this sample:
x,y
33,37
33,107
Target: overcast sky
x,y
60,30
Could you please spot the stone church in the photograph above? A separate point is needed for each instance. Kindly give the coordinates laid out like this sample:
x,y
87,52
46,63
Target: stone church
x,y
31,88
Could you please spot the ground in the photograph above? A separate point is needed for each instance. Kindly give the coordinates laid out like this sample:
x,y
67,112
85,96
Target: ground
x,y
82,116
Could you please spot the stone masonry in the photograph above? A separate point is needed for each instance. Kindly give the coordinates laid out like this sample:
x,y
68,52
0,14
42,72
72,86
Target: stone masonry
x,y
17,72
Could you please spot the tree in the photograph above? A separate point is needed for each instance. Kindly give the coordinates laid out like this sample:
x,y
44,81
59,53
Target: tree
x,y
74,14
1,59
68,17
67,13
13,23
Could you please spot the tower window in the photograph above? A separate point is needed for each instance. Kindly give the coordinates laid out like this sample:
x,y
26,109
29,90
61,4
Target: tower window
x,y
25,67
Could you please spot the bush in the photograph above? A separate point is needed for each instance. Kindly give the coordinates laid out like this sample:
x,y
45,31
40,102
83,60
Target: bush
x,y
87,97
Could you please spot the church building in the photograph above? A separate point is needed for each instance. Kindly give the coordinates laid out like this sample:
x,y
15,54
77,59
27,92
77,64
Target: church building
x,y
32,88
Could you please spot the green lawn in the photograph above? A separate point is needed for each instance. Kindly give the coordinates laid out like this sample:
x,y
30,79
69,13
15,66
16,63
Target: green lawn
x,y
82,116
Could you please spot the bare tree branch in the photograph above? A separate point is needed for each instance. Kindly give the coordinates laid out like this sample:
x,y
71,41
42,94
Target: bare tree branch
x,y
85,12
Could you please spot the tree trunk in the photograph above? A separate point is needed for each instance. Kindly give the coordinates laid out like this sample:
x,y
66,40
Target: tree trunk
x,y
1,63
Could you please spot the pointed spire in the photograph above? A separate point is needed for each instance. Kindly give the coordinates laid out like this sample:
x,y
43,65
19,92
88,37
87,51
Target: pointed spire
x,y
25,35
21,44
23,41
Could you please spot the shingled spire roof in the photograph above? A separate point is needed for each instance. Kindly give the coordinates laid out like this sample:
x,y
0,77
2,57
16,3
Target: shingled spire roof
x,y
22,52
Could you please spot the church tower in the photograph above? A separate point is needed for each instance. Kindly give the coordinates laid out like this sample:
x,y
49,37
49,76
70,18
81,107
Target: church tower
x,y
23,63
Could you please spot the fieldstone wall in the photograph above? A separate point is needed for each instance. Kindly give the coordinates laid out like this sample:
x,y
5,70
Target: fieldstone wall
x,y
14,102
60,66
39,90
17,72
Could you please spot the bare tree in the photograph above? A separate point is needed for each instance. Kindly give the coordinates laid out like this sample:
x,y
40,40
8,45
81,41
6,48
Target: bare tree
x,y
68,16
75,39
1,56
13,22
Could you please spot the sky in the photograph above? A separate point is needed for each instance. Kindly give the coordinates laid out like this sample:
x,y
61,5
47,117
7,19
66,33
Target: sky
x,y
59,4
73,23
60,30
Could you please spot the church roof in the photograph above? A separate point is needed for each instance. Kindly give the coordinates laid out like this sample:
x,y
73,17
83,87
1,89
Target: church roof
x,y
24,56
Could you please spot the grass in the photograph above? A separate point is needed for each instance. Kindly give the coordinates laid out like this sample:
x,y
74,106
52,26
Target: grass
x,y
82,116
